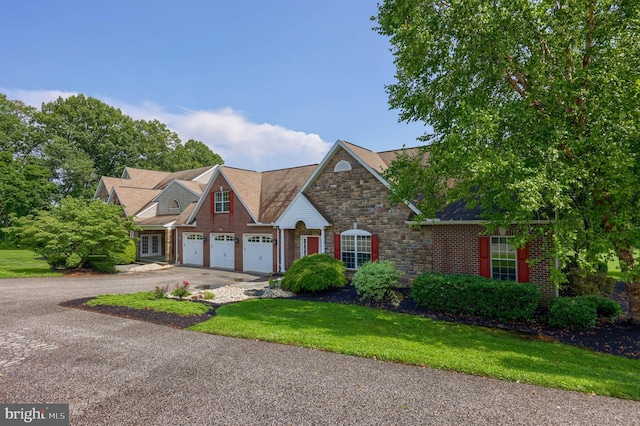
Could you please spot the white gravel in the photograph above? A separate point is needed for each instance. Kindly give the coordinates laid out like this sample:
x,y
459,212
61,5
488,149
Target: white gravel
x,y
231,293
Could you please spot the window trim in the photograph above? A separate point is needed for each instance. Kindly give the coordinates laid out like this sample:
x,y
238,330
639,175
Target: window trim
x,y
511,256
220,204
356,234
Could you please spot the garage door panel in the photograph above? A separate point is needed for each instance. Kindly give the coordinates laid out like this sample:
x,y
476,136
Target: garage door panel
x,y
192,248
258,253
222,251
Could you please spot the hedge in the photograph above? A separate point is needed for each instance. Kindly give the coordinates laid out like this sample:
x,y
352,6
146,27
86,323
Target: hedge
x,y
473,295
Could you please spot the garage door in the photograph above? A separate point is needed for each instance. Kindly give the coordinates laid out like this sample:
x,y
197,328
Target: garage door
x,y
258,253
192,248
222,251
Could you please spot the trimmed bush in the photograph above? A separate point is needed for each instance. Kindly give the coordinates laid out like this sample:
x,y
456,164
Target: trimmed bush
x,y
473,295
605,308
376,282
126,257
583,283
315,272
573,313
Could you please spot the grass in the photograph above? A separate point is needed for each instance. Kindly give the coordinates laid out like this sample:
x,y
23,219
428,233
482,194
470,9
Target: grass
x,y
146,300
24,264
383,335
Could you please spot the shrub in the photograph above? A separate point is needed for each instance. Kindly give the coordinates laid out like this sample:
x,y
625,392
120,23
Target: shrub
x,y
573,313
314,273
605,308
160,292
127,256
473,295
376,282
584,283
181,290
102,264
208,295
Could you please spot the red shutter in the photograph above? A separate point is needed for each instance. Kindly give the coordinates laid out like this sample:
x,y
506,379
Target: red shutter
x,y
485,257
374,247
524,272
231,202
336,247
213,203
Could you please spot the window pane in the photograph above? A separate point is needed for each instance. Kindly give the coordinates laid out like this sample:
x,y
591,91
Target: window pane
x,y
503,258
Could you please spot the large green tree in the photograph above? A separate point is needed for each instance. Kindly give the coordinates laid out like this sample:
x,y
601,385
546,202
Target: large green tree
x,y
24,187
535,109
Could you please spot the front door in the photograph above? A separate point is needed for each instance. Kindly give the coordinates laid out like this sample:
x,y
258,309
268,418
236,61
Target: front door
x,y
310,245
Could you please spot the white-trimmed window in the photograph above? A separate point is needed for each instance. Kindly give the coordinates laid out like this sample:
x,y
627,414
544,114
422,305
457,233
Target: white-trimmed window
x,y
355,248
174,205
222,202
503,259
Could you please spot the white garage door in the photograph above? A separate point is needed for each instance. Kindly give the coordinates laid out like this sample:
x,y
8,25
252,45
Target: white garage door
x,y
192,248
258,253
222,251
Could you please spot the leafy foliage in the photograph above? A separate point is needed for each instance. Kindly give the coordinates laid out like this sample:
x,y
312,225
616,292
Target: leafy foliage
x,y
573,313
535,110
605,308
581,313
181,290
68,234
315,272
473,295
127,256
583,283
377,281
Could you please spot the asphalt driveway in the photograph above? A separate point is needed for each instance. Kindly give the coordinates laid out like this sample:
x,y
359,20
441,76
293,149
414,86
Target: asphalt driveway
x,y
116,371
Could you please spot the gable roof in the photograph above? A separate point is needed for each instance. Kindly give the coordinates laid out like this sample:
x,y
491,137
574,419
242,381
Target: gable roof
x,y
279,188
132,200
265,195
375,163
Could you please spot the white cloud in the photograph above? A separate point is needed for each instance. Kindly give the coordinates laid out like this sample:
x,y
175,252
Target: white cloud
x,y
35,97
240,142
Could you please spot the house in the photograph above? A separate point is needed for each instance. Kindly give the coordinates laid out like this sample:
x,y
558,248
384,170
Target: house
x,y
157,201
263,221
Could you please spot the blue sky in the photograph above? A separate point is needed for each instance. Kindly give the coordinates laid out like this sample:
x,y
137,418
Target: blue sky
x,y
266,84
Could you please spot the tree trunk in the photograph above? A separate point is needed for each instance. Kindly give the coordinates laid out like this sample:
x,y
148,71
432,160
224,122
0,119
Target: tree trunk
x,y
627,262
633,291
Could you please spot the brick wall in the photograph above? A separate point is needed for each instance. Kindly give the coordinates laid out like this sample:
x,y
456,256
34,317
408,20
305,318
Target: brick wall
x,y
228,223
456,251
357,196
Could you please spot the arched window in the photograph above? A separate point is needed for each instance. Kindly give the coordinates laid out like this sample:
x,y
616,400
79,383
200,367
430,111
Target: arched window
x,y
342,166
355,247
174,204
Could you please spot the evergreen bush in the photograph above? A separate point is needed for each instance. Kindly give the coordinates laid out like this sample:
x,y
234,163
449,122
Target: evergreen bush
x,y
584,283
127,256
315,272
473,295
573,313
376,282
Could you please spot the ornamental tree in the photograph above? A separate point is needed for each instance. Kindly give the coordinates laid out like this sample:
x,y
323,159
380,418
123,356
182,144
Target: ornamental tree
x,y
69,233
535,108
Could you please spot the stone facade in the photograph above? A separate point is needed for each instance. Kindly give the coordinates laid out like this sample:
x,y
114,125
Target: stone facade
x,y
356,198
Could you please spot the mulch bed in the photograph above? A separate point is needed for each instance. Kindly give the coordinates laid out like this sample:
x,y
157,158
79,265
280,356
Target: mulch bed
x,y
620,338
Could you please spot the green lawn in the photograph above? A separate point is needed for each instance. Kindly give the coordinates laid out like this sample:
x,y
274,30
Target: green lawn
x,y
379,334
146,300
613,265
23,264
